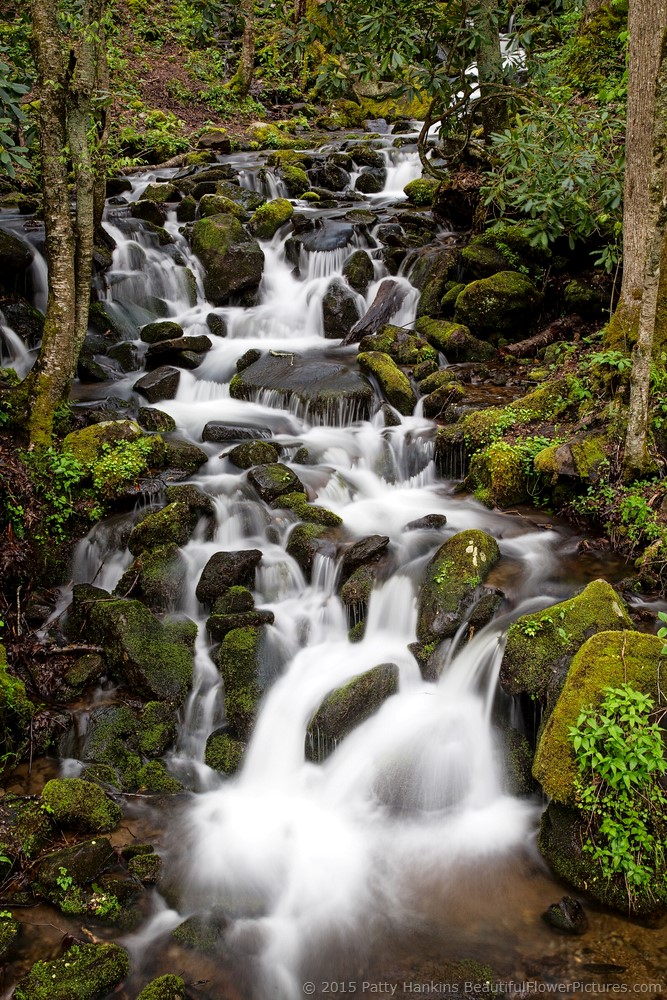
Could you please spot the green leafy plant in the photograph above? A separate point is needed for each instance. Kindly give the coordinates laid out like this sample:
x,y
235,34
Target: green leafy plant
x,y
57,474
662,632
620,758
121,465
64,880
12,118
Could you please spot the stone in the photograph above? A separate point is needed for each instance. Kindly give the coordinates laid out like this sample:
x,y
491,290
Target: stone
x,y
250,453
159,384
233,261
371,180
271,481
347,707
223,752
174,352
84,972
217,204
393,382
401,345
155,420
219,625
358,270
366,550
184,455
305,542
238,659
89,444
340,311
80,805
215,138
83,862
567,916
156,578
583,457
227,569
506,303
221,433
454,340
329,176
164,987
421,191
154,333
430,522
148,211
172,524
161,193
269,218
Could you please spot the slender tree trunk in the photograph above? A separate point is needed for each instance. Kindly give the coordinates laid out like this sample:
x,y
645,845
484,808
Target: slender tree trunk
x,y
102,86
490,68
48,383
651,317
246,70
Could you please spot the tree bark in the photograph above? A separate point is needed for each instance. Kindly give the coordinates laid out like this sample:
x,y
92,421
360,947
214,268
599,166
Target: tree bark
x,y
386,304
246,70
652,304
493,107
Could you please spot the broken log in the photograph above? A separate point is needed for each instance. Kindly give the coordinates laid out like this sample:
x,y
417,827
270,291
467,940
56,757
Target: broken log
x,y
386,304
555,331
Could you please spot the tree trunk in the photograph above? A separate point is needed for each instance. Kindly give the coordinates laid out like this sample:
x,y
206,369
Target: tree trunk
x,y
652,301
490,69
646,23
246,70
48,383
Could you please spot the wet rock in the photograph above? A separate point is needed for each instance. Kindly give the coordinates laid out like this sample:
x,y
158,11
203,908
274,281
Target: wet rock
x,y
451,583
585,299
160,384
269,218
184,455
339,311
507,303
198,501
222,433
89,444
391,235
9,931
330,176
233,262
388,300
161,193
329,234
223,752
126,355
568,916
430,522
272,480
202,934
80,805
154,333
540,646
311,513
251,200
394,384
156,578
173,524
234,601
497,475
295,179
247,359
82,863
177,351
454,340
26,828
15,261
84,972
305,542
246,455
359,271
421,191
148,211
356,591
186,210
366,550
153,658
431,273
227,569
238,660
24,320
217,325
85,671
391,418
582,457
219,625
215,138
155,420
517,763
165,987
328,389
217,204
371,180
401,345
347,707
117,185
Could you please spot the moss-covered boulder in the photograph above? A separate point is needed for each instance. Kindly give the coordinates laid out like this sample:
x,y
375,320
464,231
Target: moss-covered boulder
x,y
607,659
311,513
437,403
148,211
84,972
16,711
482,262
250,453
347,707
401,345
153,658
219,625
156,578
233,262
305,542
295,179
9,931
273,480
183,455
452,583
498,475
238,660
394,383
506,303
173,525
161,193
164,988
454,340
225,570
359,271
62,876
88,444
25,828
154,333
421,191
218,204
153,778
117,742
224,752
268,218
583,457
432,273
80,805
340,311
540,646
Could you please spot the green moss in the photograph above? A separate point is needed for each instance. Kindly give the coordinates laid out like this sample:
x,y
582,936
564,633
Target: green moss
x,y
239,664
309,512
582,457
9,931
448,301
158,729
154,777
84,972
444,376
310,196
607,659
173,524
500,471
81,805
356,591
154,333
421,191
347,707
16,711
268,218
201,934
403,347
250,453
540,646
217,204
394,384
454,340
164,988
88,444
224,753
451,581
159,193
394,109
505,302
296,180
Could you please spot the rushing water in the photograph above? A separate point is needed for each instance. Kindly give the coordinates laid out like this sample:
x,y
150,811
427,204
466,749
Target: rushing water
x,y
309,860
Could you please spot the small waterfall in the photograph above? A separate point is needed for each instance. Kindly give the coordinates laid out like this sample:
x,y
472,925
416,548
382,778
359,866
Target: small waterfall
x,y
13,352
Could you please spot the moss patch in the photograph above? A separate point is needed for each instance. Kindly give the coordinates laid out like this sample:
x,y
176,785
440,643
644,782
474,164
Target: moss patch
x,y
268,218
394,384
239,664
84,972
164,988
224,753
81,805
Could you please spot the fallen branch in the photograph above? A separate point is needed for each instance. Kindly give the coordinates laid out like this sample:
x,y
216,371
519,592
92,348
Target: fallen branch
x,y
386,303
555,331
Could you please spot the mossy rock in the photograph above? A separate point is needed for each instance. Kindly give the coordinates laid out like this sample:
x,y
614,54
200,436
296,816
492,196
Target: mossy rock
x,y
394,384
234,601
340,311
164,988
268,218
305,542
452,581
273,480
148,211
157,728
437,403
498,473
88,444
238,659
61,877
506,303
436,380
173,525
454,340
84,972
355,593
154,778
432,274
183,455
202,934
311,513
218,204
358,270
250,453
224,752
219,625
9,931
540,646
26,827
563,834
16,711
234,263
80,805
421,191
607,659
153,658
586,300
225,570
582,457
482,262
401,345
295,179
156,578
160,193
347,707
